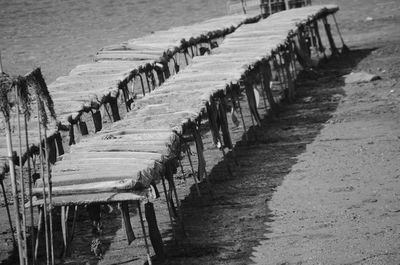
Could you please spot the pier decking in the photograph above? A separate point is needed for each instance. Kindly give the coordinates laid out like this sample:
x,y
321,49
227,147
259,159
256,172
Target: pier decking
x,y
90,86
132,153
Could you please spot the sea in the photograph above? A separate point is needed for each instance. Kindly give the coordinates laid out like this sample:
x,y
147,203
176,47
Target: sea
x,y
57,35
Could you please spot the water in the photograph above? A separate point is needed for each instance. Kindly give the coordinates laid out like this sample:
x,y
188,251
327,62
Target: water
x,y
60,34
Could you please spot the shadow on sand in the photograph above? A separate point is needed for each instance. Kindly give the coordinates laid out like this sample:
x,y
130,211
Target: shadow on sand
x,y
224,228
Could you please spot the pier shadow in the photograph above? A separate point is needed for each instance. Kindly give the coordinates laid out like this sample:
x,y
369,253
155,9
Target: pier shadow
x,y
224,227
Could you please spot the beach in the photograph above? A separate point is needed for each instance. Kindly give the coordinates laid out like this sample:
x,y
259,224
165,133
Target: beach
x,y
317,184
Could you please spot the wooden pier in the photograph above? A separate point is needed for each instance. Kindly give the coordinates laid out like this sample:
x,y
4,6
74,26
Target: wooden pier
x,y
123,123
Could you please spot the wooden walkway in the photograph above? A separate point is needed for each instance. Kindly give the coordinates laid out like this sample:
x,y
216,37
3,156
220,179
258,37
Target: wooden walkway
x,y
132,153
93,87
126,156
89,86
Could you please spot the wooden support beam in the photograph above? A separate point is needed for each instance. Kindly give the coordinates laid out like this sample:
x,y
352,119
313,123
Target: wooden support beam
x,y
8,211
170,210
39,227
189,153
266,78
130,235
154,232
330,37
248,83
113,101
344,46
64,224
144,233
318,36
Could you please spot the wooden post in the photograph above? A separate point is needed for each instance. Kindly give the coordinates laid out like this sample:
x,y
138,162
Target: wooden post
x,y
154,232
278,72
130,235
50,196
178,204
243,6
8,211
21,176
227,142
269,8
43,182
176,66
236,99
113,101
38,232
30,190
142,84
144,233
266,80
344,46
287,5
319,41
148,82
186,59
15,191
286,64
261,80
191,166
1,65
169,206
71,237
251,99
292,58
64,220
330,37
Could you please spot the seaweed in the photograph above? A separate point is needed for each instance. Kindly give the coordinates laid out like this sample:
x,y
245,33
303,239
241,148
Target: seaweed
x,y
24,95
6,84
42,112
37,82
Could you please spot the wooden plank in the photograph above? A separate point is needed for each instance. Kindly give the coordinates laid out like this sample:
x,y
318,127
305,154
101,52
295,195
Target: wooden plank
x,y
122,56
65,169
104,197
117,155
89,177
74,79
131,47
125,51
160,149
61,165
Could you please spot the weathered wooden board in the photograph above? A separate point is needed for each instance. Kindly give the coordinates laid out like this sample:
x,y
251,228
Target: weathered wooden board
x,y
103,197
105,155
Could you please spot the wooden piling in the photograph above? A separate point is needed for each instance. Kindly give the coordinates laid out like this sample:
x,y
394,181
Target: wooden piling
x,y
330,37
